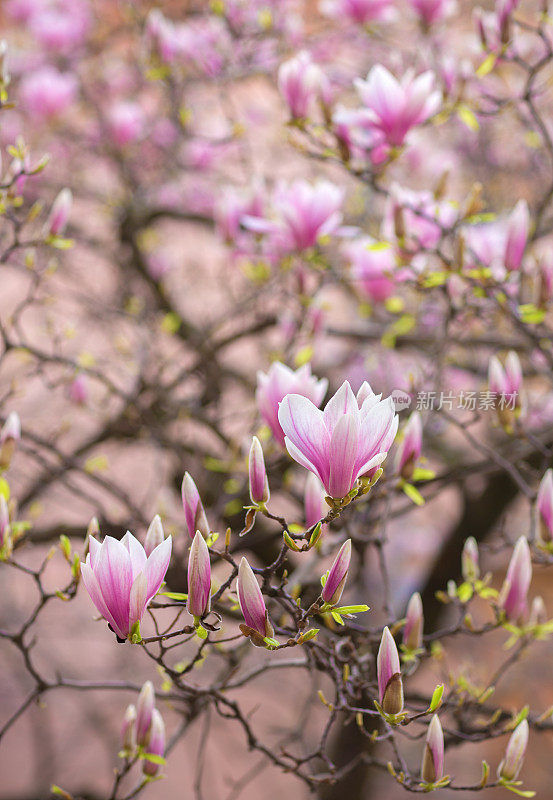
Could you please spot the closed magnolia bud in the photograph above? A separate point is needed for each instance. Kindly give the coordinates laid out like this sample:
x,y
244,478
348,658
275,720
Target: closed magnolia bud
x,y
432,768
144,711
194,513
9,435
337,576
538,613
544,509
154,536
259,485
469,561
390,686
199,578
414,623
514,592
59,215
156,745
410,448
514,754
128,729
4,522
251,601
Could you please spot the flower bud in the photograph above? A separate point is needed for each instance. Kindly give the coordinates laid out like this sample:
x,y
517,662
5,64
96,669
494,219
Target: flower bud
x,y
410,447
337,576
514,754
259,485
432,768
59,215
313,500
517,235
78,390
300,81
154,536
544,509
199,578
390,686
128,730
4,522
194,513
469,560
4,71
414,623
538,613
9,435
156,744
144,711
251,601
513,595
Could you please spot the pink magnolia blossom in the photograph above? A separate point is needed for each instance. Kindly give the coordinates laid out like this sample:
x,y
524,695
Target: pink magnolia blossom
x,y
410,447
46,92
337,576
60,25
499,245
507,383
156,744
414,623
397,106
372,264
544,508
128,729
360,11
233,205
199,578
121,580
279,381
432,767
417,216
300,82
194,512
59,214
259,485
390,686
251,601
514,754
514,592
78,390
154,536
125,122
342,443
144,710
432,11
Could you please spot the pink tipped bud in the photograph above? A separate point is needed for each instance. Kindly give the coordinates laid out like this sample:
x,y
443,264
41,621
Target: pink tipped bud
x,y
414,623
78,390
259,485
144,710
390,686
538,613
544,508
517,235
300,81
507,384
128,729
313,499
154,536
514,754
496,376
4,523
9,435
156,745
469,561
199,578
194,513
251,601
59,215
432,768
337,576
513,595
410,447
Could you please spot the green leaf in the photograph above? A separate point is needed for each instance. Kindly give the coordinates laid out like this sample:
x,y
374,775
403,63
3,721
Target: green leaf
x,y
337,618
465,592
174,596
153,758
487,65
421,474
436,698
4,489
413,493
530,314
467,117
351,609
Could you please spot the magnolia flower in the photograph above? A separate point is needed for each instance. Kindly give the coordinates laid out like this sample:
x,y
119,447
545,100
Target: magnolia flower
x,y
125,122
499,245
410,447
144,710
280,380
390,686
372,265
194,513
432,11
251,602
337,576
414,623
156,744
121,580
514,592
341,443
360,11
313,500
514,754
432,768
154,535
397,106
59,214
128,729
469,560
199,578
46,92
78,390
506,383
259,485
300,81
544,508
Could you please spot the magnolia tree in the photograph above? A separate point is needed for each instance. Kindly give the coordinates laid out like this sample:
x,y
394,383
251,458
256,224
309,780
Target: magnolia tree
x,y
300,254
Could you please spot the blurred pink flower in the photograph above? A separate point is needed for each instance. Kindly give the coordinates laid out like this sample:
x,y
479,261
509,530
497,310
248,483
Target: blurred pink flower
x,y
372,265
47,92
360,11
300,82
126,122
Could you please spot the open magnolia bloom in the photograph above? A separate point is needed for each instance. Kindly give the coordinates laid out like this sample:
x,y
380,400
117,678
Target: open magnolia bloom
x,y
347,440
121,580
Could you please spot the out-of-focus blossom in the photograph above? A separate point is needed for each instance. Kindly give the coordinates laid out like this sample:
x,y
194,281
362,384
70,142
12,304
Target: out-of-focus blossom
x,y
4,524
300,82
416,218
514,592
125,122
514,754
276,383
432,767
538,613
259,485
390,685
360,11
499,245
154,535
544,509
470,564
233,205
372,265
144,710
432,11
46,92
194,512
121,580
545,282
410,447
414,623
156,745
60,25
199,578
128,730
59,214
341,443
397,106
78,390
252,603
9,436
516,235
337,575
507,383
313,500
